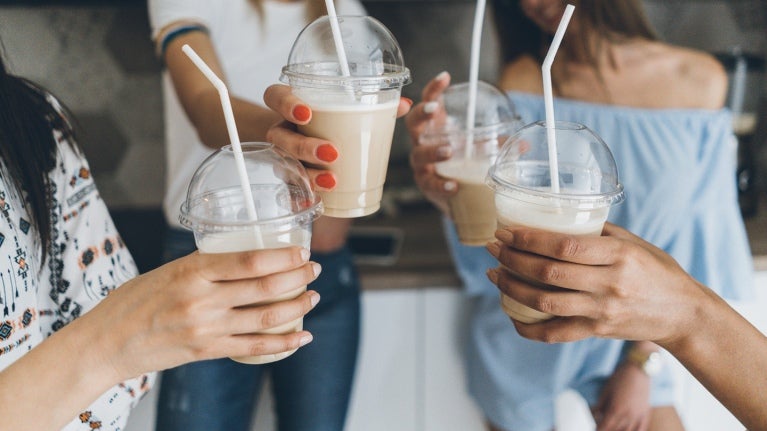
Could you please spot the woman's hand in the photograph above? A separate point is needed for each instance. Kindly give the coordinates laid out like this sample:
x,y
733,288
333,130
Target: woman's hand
x,y
318,153
423,157
616,285
200,307
624,403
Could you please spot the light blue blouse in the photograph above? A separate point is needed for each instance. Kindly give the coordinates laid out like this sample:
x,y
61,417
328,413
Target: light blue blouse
x,y
678,170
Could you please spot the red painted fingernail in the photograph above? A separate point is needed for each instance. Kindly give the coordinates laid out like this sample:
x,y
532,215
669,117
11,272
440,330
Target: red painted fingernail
x,y
327,153
326,181
302,113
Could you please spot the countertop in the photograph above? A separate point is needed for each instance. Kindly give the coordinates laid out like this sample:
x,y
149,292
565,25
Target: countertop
x,y
424,260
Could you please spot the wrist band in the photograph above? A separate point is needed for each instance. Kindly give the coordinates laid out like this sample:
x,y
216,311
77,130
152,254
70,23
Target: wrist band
x,y
176,32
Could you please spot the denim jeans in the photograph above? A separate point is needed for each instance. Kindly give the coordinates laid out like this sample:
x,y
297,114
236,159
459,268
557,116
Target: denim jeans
x,y
311,387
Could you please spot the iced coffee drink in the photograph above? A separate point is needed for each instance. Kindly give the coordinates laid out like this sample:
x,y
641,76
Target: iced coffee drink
x,y
356,112
471,209
521,178
215,209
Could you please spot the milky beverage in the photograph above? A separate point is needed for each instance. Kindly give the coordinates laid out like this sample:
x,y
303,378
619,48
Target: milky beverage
x,y
244,240
472,208
546,214
363,135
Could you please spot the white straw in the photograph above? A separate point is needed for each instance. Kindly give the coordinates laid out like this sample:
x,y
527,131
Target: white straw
x,y
471,110
234,137
549,97
335,28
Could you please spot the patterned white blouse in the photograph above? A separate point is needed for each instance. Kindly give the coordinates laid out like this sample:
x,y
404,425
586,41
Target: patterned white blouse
x,y
87,260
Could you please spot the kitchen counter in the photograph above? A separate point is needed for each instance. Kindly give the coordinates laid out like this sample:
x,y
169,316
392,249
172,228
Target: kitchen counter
x,y
424,260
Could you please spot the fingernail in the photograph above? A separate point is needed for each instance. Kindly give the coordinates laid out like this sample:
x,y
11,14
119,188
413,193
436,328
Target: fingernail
x,y
316,268
442,75
494,248
408,100
326,181
444,151
450,186
305,254
314,297
306,339
492,274
327,153
302,113
504,235
430,107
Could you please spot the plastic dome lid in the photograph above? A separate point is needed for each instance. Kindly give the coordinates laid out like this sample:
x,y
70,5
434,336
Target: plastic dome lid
x,y
373,54
279,184
588,175
495,113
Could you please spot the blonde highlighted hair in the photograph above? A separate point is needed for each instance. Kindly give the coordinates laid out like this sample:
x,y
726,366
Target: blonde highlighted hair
x,y
314,8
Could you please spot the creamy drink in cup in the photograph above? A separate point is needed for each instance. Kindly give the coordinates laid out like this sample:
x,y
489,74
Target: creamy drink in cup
x,y
472,208
215,210
521,180
356,112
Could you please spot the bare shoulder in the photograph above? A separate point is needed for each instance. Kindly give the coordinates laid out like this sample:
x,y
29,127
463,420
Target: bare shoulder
x,y
699,78
523,75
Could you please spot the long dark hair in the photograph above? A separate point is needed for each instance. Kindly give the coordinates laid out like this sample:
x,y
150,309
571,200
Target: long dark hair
x,y
612,20
28,117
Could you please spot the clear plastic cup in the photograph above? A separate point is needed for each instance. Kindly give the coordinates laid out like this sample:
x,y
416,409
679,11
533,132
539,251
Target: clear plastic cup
x,y
588,187
215,210
472,208
357,113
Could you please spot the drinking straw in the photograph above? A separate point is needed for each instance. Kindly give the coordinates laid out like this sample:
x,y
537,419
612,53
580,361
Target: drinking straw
x,y
549,98
471,109
336,30
234,137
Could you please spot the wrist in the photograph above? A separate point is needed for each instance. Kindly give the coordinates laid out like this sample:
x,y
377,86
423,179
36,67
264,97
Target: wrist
x,y
648,360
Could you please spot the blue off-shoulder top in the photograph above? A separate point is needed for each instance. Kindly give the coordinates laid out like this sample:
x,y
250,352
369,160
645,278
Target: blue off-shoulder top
x,y
678,170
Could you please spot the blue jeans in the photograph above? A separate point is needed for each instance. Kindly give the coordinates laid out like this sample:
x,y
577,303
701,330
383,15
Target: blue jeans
x,y
311,387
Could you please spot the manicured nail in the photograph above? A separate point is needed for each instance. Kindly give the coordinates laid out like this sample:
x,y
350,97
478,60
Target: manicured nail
x,y
430,107
306,339
442,75
492,274
494,248
305,254
408,100
316,268
326,181
504,235
450,186
314,297
327,153
302,113
444,151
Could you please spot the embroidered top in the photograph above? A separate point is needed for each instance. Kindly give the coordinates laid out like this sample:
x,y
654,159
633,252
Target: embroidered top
x,y
87,259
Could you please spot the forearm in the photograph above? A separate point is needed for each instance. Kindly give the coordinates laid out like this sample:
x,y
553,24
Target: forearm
x,y
207,116
329,234
728,356
54,382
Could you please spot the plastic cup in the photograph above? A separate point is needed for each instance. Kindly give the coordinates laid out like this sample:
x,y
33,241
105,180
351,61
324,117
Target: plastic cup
x,y
472,208
215,210
520,177
357,112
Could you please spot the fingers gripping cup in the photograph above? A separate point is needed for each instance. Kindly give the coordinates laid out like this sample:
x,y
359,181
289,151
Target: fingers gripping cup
x,y
356,112
215,210
472,208
521,179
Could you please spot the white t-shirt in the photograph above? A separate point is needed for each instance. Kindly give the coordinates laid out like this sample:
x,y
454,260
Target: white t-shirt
x,y
252,52
88,259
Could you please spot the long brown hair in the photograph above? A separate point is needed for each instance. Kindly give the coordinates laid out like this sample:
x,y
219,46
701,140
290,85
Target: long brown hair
x,y
314,8
610,20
